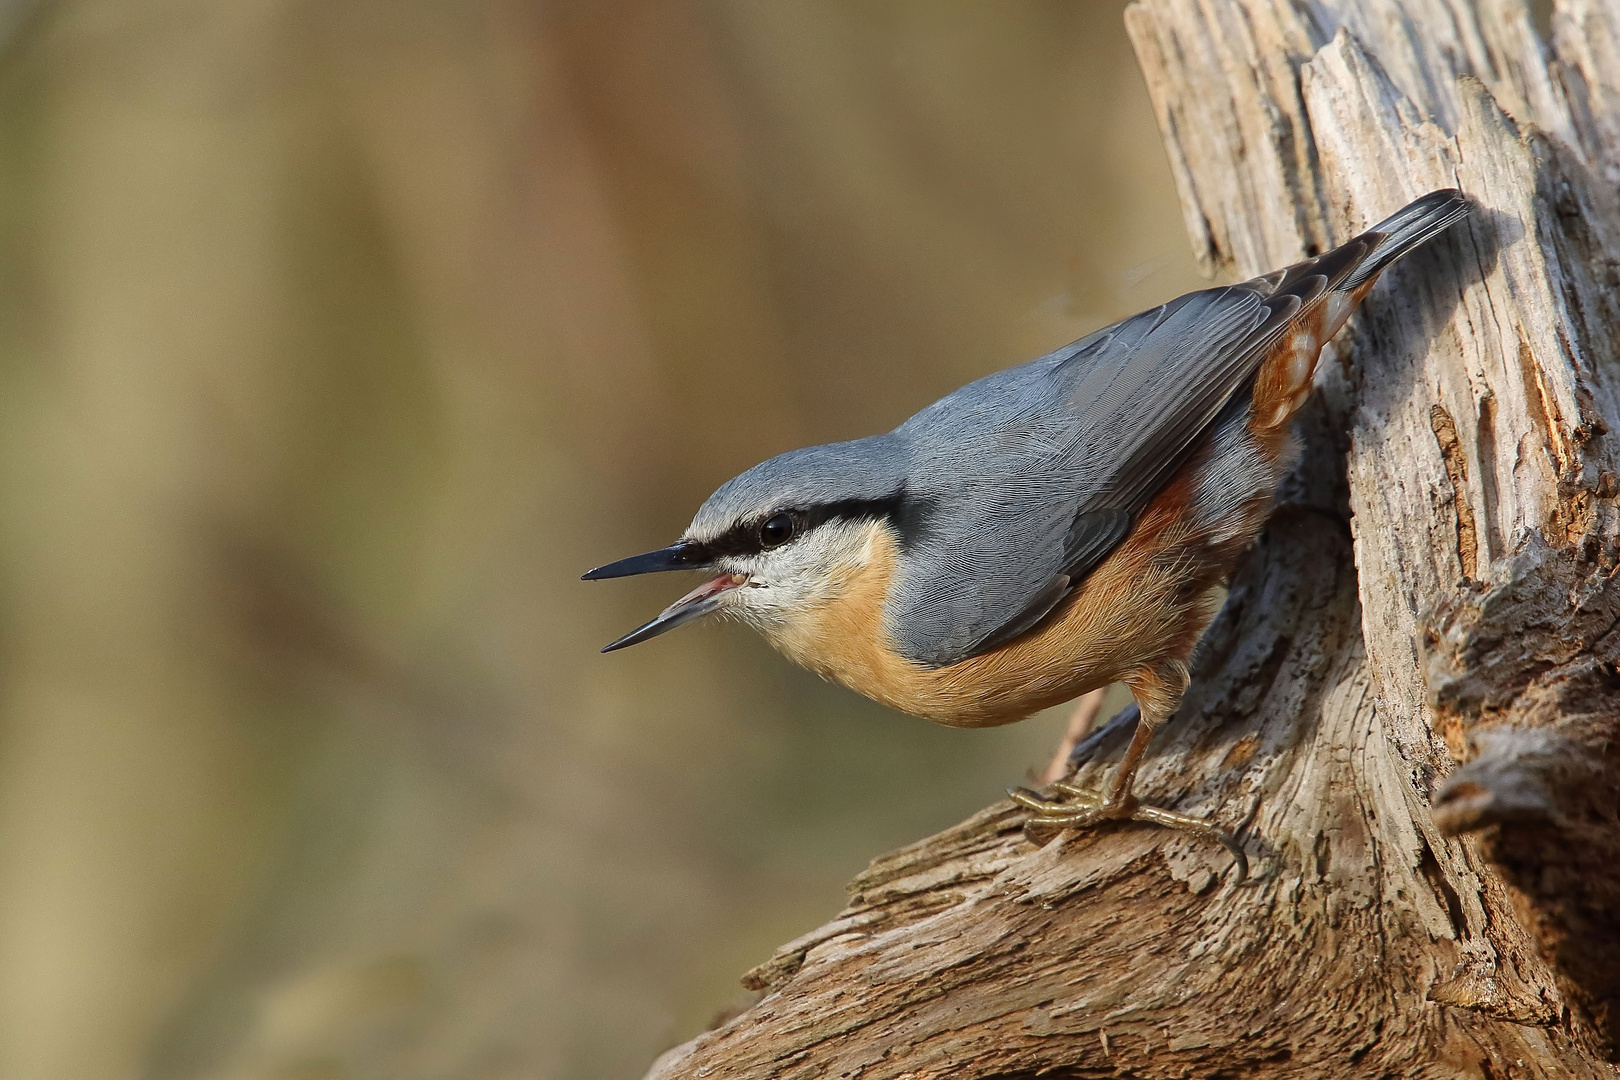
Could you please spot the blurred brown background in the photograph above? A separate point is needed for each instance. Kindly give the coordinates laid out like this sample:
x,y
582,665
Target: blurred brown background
x,y
338,338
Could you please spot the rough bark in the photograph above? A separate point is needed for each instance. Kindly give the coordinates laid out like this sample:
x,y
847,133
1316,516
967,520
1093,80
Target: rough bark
x,y
1410,706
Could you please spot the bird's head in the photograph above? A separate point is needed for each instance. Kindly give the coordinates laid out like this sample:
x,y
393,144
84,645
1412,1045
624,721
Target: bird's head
x,y
781,539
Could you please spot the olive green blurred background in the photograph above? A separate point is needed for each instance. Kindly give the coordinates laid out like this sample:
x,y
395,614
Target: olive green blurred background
x,y
336,339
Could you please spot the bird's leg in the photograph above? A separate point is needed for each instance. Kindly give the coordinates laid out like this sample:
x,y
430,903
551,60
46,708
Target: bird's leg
x,y
1081,808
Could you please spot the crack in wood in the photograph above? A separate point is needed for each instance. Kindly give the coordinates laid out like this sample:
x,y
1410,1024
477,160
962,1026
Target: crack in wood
x,y
1456,462
1325,682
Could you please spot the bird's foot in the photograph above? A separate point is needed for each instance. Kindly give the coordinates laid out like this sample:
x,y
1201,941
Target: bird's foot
x,y
1083,809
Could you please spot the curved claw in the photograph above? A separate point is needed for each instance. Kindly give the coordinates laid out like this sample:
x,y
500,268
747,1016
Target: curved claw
x,y
1240,861
1049,818
1092,808
1030,800
1079,794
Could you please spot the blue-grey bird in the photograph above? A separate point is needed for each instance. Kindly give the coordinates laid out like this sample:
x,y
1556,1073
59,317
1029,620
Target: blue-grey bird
x,y
1046,530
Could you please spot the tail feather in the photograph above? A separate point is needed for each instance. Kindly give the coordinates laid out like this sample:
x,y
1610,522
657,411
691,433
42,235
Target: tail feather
x,y
1324,290
1407,228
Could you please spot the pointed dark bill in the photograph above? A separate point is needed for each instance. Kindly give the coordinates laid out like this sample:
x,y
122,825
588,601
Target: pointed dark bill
x,y
684,555
695,604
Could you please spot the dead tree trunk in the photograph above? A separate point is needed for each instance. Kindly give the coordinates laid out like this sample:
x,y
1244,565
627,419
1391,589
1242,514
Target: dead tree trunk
x,y
1410,706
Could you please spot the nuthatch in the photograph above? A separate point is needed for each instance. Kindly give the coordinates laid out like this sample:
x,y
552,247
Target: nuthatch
x,y
1046,530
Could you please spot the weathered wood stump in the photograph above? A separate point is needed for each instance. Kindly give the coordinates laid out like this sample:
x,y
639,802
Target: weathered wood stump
x,y
1410,706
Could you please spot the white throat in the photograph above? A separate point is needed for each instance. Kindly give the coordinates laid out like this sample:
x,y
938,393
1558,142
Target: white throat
x,y
801,575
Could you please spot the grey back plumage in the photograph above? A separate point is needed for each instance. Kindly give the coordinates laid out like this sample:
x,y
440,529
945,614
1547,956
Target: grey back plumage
x,y
1008,492
1033,475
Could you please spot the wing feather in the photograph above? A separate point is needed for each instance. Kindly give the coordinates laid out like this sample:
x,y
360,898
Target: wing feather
x,y
1038,472
1026,480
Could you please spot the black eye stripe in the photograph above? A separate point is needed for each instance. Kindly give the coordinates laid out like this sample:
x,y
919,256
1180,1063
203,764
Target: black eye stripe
x,y
745,538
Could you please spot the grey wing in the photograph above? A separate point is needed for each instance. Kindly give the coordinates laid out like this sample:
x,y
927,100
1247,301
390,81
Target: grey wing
x,y
1029,478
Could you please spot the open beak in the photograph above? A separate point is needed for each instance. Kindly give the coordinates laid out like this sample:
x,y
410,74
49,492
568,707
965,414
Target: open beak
x,y
695,604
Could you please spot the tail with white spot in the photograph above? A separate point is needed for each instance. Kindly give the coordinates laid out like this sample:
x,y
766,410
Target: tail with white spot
x,y
1328,288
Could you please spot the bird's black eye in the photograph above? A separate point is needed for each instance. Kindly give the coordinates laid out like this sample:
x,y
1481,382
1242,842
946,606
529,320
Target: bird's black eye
x,y
777,530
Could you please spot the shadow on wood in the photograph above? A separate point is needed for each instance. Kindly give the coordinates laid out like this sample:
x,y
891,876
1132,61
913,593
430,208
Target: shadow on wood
x,y
1432,610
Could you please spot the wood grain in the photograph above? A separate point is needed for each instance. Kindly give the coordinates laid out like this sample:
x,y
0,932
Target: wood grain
x,y
1410,705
